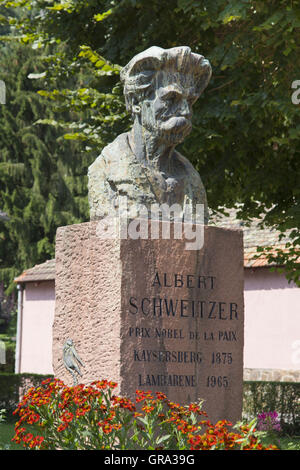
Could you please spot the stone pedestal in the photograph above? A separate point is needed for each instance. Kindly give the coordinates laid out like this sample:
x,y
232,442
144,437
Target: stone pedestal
x,y
151,315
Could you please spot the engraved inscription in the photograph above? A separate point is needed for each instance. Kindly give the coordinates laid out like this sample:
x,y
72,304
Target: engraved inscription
x,y
206,349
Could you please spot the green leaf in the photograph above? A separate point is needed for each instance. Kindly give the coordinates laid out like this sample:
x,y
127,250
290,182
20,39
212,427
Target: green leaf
x,y
67,6
162,439
145,421
272,21
102,16
75,136
235,102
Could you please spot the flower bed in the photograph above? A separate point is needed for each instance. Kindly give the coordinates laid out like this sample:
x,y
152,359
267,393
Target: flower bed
x,y
55,416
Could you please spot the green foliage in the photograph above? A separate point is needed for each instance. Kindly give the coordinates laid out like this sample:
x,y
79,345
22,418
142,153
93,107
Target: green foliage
x,y
91,417
269,396
43,182
8,313
6,435
11,385
246,128
290,444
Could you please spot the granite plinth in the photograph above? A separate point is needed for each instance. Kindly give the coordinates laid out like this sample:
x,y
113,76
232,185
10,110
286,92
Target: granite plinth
x,y
152,315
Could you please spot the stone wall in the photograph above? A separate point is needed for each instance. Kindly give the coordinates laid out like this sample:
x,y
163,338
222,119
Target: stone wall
x,y
272,375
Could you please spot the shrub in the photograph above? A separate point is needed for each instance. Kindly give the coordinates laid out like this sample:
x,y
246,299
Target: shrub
x,y
269,422
14,385
280,396
92,417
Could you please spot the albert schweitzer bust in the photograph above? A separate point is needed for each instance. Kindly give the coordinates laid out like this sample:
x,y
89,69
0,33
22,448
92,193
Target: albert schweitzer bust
x,y
160,87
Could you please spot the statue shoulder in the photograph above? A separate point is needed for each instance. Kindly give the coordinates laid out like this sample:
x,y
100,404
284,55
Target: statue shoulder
x,y
112,156
117,148
189,168
197,189
113,150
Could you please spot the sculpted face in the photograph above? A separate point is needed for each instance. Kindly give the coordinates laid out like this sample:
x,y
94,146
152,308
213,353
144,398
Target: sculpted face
x,y
167,112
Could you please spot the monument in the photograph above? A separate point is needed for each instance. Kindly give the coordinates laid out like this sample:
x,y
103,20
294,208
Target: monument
x,y
148,293
160,87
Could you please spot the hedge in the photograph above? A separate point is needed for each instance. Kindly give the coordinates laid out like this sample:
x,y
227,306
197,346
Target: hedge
x,y
12,385
283,397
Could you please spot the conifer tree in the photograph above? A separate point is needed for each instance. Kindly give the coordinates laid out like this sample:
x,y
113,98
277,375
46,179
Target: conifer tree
x,y
43,182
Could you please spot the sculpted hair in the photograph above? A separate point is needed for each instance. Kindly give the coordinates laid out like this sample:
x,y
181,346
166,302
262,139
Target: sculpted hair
x,y
138,75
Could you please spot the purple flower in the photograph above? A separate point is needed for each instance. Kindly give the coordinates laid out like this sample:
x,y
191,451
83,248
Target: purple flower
x,y
268,421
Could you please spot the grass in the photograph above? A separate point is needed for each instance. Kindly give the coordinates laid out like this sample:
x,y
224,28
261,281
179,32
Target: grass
x,y
7,432
287,442
291,443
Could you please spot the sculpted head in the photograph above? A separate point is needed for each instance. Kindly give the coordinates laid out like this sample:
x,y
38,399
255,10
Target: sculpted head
x,y
160,87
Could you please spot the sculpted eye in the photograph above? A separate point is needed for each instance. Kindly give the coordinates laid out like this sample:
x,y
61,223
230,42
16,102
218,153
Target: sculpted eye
x,y
170,97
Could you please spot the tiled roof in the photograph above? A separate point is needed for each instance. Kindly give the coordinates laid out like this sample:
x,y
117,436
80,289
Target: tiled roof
x,y
40,272
253,236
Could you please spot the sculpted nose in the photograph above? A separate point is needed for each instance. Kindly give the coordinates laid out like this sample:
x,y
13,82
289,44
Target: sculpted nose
x,y
185,108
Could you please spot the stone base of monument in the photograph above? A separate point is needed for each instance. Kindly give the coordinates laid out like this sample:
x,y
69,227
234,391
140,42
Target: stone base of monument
x,y
151,314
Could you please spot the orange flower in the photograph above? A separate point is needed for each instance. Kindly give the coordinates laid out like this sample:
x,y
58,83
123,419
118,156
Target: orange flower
x,y
161,396
101,384
67,417
107,429
112,385
33,418
36,442
105,426
148,409
28,437
117,426
123,403
62,427
142,395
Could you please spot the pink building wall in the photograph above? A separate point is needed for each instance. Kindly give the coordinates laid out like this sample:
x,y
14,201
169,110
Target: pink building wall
x,y
37,320
272,321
